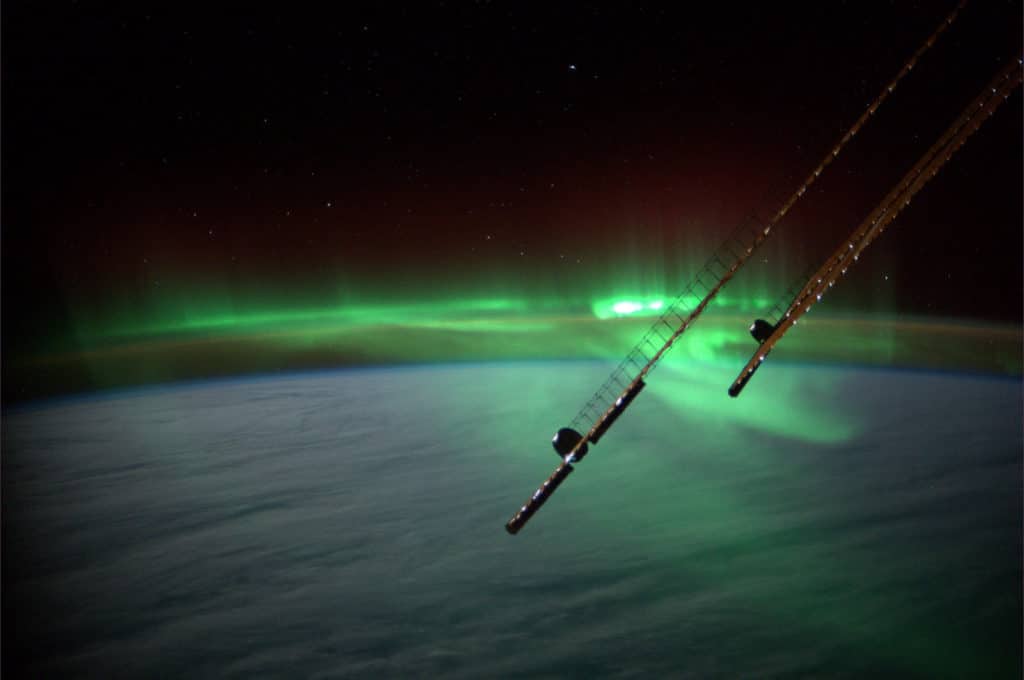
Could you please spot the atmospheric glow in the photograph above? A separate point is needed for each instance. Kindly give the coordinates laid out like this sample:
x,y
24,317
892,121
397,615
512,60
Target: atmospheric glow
x,y
645,305
626,307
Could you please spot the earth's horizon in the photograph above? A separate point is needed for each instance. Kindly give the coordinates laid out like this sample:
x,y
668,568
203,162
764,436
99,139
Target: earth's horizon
x,y
350,523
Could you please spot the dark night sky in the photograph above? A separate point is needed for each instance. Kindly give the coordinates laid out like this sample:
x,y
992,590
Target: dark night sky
x,y
404,150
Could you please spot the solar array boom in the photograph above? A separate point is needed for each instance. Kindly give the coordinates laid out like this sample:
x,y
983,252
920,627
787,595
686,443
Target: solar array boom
x,y
837,264
626,381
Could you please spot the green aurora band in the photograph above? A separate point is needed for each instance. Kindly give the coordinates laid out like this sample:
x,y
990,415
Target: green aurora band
x,y
204,340
199,318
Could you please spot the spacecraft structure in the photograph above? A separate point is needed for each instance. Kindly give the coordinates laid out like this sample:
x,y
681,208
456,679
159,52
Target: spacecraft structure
x,y
967,123
627,381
